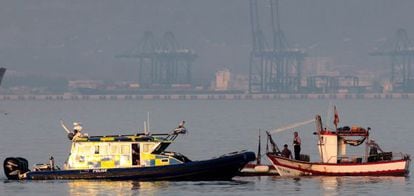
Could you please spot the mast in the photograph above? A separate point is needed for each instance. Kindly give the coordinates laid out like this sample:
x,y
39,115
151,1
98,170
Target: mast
x,y
319,129
259,154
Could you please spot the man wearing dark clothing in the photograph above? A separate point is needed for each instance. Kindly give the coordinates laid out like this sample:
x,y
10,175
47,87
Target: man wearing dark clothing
x,y
286,152
296,145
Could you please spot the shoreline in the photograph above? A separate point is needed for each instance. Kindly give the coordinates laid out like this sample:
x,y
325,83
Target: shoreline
x,y
216,96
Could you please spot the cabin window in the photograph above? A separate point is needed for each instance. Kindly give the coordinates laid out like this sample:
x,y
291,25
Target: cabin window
x,y
96,149
84,149
147,148
103,150
125,150
114,150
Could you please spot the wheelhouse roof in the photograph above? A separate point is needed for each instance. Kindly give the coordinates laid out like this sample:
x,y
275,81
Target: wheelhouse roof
x,y
141,137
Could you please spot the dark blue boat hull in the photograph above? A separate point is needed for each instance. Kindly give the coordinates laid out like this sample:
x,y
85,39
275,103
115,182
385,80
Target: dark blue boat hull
x,y
221,168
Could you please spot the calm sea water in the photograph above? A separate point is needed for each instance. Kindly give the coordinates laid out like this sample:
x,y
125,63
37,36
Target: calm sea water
x,y
31,129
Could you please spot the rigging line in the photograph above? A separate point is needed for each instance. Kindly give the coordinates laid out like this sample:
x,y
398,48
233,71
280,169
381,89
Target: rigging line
x,y
291,126
328,118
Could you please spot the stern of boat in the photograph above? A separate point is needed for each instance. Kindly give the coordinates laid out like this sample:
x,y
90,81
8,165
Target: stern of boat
x,y
289,167
15,168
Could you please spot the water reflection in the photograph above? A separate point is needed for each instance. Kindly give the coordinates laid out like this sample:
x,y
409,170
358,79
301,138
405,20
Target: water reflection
x,y
330,185
297,183
338,185
83,187
335,185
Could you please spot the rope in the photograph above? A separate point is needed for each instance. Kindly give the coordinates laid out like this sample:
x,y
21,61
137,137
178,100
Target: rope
x,y
291,126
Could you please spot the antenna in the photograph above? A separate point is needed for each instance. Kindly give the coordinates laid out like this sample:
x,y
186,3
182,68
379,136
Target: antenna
x,y
145,127
148,122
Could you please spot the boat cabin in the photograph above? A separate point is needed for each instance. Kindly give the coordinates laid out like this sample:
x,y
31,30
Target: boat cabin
x,y
103,152
332,144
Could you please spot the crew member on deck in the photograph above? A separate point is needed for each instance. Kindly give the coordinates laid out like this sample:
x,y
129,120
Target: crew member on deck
x,y
286,152
296,145
373,151
373,147
77,128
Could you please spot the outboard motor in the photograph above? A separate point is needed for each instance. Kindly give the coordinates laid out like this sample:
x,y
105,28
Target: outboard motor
x,y
14,167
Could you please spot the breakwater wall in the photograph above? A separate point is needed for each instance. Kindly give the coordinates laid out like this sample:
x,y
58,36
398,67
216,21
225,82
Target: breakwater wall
x,y
209,96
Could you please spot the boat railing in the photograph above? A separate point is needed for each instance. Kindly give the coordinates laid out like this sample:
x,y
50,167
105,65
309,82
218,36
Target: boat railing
x,y
174,133
383,156
135,137
387,156
399,156
347,159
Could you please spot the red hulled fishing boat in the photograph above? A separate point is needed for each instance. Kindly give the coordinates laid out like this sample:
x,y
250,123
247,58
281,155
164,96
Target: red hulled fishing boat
x,y
334,160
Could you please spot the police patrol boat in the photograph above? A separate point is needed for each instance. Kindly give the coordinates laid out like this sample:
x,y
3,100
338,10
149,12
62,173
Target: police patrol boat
x,y
334,159
140,157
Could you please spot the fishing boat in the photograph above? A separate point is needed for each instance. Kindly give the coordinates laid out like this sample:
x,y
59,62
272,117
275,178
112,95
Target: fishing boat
x,y
334,160
141,157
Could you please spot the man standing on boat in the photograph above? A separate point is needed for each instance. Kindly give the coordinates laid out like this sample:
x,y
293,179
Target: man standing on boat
x,y
296,145
77,128
373,151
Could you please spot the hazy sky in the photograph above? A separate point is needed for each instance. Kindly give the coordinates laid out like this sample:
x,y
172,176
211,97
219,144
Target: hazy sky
x,y
79,38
